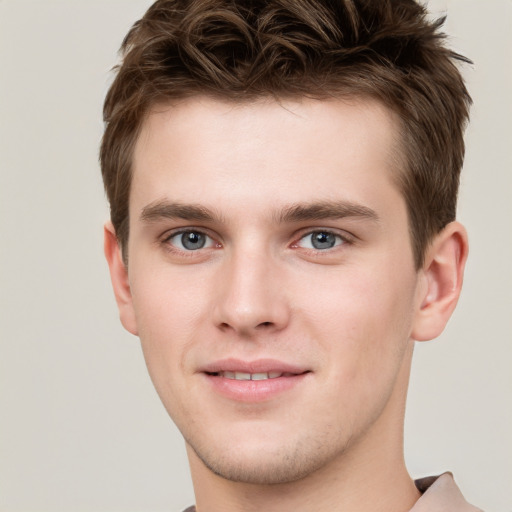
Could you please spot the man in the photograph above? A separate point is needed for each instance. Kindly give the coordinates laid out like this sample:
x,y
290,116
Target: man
x,y
282,178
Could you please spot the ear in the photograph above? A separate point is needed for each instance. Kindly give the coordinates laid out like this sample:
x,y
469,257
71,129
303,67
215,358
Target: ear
x,y
443,273
119,277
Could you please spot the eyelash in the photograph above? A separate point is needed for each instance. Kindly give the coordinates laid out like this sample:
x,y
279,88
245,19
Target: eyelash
x,y
341,240
344,239
166,241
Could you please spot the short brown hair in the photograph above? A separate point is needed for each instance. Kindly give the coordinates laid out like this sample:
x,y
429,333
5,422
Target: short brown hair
x,y
242,50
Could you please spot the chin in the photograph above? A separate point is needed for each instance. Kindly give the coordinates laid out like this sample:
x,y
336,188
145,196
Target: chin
x,y
264,465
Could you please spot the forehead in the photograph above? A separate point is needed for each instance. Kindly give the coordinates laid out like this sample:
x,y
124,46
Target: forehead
x,y
291,150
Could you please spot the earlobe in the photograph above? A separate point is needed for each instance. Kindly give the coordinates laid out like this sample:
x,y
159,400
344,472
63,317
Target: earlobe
x,y
443,273
119,277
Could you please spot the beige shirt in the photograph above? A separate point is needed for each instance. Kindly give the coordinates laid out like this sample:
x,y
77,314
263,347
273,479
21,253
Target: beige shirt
x,y
439,494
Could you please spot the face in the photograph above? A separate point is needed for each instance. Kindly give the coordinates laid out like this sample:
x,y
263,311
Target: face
x,y
271,279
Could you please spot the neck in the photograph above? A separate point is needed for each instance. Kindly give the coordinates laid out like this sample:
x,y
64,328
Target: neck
x,y
383,487
369,476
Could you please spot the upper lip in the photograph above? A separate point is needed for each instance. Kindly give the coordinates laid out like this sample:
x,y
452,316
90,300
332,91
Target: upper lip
x,y
256,366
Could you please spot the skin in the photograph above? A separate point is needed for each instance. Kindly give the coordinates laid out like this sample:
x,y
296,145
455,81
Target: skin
x,y
346,315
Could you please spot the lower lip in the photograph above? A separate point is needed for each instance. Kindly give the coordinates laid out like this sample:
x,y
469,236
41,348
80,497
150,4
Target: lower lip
x,y
254,390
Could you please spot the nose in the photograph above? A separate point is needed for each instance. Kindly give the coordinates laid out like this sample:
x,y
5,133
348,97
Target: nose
x,y
251,298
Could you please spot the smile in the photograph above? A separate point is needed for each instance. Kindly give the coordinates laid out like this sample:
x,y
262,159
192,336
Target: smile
x,y
253,381
252,376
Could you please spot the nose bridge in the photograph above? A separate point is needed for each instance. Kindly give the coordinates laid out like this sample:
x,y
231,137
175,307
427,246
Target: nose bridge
x,y
250,294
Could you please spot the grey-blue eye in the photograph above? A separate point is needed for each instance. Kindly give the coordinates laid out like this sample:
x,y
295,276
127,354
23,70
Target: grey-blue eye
x,y
190,241
320,240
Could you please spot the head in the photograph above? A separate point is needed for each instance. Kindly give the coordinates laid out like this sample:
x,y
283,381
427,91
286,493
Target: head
x,y
387,51
282,181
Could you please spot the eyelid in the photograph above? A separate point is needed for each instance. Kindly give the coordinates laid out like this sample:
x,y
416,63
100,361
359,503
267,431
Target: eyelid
x,y
169,234
347,238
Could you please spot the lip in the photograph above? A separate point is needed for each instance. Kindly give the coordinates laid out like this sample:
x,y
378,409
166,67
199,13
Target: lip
x,y
253,390
257,366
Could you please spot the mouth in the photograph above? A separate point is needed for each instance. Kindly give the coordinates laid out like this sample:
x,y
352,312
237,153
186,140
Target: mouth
x,y
250,376
255,381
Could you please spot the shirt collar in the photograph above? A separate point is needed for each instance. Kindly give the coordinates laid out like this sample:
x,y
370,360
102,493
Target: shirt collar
x,y
441,494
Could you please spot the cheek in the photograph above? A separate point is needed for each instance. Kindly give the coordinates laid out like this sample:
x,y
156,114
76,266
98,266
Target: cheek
x,y
362,329
166,303
168,312
363,319
165,325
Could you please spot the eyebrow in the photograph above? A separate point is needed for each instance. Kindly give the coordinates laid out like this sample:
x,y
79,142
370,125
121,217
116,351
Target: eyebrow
x,y
299,212
168,210
326,210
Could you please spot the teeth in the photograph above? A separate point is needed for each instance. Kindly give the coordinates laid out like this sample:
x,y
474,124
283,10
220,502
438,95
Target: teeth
x,y
250,376
259,376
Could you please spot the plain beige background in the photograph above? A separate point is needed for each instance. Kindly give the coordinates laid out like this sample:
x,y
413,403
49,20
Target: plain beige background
x,y
81,427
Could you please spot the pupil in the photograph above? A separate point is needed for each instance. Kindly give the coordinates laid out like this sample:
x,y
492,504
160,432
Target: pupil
x,y
322,240
193,240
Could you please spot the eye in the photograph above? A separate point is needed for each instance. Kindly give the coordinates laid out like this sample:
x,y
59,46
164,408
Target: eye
x,y
190,241
320,240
